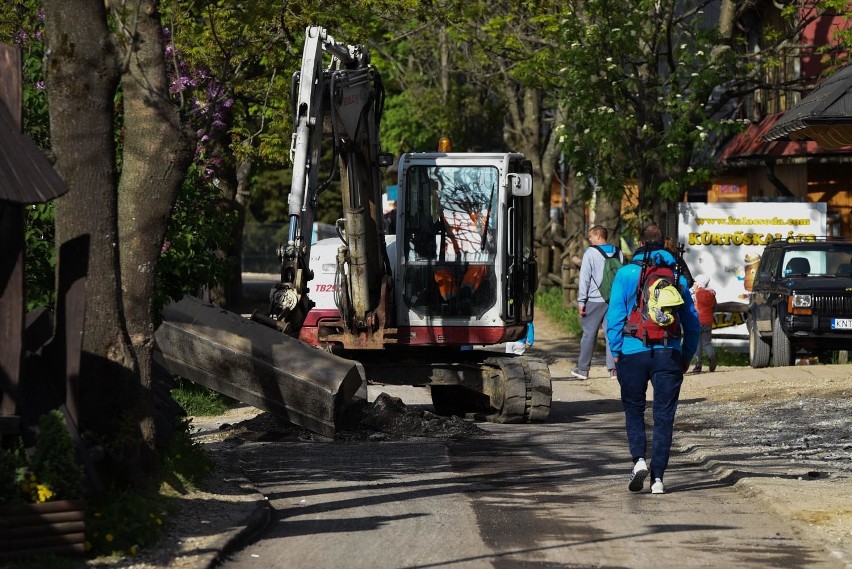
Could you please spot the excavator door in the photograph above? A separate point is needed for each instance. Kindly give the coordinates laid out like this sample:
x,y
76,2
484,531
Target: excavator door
x,y
521,268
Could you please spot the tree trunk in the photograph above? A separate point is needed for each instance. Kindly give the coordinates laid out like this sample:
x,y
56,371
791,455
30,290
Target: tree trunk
x,y
727,16
608,214
157,153
244,168
523,133
81,75
232,179
575,223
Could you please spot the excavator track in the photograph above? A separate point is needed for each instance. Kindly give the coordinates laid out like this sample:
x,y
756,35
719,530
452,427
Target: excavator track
x,y
527,390
540,390
475,384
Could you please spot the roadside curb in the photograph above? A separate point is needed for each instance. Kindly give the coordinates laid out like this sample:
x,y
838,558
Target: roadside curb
x,y
256,522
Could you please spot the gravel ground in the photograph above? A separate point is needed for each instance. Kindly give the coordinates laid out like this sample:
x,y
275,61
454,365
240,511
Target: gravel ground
x,y
781,435
814,428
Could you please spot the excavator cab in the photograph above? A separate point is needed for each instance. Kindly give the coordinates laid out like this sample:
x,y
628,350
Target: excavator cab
x,y
465,263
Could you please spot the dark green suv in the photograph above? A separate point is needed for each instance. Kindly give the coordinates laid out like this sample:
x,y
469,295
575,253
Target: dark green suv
x,y
801,300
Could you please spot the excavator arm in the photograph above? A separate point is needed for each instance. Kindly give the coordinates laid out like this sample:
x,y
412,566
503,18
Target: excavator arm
x,y
336,108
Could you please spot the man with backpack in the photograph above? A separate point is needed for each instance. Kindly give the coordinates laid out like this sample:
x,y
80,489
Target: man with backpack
x,y
597,271
653,333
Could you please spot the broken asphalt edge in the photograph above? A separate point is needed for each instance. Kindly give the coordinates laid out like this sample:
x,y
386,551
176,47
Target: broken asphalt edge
x,y
246,532
701,449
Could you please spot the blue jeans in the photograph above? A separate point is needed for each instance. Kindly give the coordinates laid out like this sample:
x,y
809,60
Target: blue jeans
x,y
664,369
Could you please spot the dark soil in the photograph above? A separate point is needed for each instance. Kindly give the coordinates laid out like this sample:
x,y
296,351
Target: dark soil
x,y
385,419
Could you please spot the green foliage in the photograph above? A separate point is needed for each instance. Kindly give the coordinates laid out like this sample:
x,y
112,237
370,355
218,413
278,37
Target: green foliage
x,y
40,260
121,521
198,229
636,83
9,487
549,301
249,49
433,76
726,357
197,400
184,459
23,26
48,472
54,461
268,200
405,128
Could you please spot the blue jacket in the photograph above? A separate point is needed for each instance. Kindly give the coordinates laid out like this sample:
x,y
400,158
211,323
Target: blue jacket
x,y
623,298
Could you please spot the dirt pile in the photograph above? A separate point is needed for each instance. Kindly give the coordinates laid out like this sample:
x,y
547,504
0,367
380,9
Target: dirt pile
x,y
387,418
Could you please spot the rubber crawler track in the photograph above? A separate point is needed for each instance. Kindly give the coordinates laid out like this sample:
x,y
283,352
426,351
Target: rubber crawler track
x,y
527,390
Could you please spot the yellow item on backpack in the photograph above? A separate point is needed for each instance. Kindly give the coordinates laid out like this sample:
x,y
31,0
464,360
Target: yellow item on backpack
x,y
663,300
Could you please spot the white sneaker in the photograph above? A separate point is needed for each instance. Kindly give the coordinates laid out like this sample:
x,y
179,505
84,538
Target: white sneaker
x,y
637,477
658,487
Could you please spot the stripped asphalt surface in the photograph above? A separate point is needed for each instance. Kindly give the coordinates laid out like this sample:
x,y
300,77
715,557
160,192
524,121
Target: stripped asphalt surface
x,y
544,495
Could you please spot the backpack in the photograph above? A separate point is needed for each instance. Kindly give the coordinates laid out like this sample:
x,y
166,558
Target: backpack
x,y
654,316
611,266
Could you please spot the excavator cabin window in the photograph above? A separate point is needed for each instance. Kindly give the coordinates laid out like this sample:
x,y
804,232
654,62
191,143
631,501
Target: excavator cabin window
x,y
450,239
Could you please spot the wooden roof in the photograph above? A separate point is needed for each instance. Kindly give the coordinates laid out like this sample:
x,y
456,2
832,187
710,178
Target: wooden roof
x,y
26,175
825,115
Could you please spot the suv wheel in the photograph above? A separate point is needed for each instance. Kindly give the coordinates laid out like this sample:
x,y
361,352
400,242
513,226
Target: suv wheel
x,y
758,348
782,350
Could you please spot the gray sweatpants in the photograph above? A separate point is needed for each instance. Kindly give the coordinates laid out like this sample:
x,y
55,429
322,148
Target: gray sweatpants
x,y
595,316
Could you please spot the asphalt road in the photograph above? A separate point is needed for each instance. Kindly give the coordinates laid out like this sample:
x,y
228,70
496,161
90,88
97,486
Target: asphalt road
x,y
546,495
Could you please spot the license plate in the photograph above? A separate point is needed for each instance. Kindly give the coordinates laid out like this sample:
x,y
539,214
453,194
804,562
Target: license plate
x,y
841,323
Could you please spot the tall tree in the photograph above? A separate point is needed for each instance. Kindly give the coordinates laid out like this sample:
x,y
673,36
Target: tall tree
x,y
157,149
652,85
471,80
85,65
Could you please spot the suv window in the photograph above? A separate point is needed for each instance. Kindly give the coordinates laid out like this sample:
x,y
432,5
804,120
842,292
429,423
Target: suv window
x,y
834,261
770,264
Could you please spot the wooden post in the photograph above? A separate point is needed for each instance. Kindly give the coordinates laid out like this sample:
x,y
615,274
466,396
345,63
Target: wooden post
x,y
11,250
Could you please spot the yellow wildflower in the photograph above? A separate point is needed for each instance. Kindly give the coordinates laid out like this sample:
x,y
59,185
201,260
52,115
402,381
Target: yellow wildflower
x,y
44,493
108,537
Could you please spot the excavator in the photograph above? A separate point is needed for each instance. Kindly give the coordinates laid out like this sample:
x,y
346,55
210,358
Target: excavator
x,y
417,306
